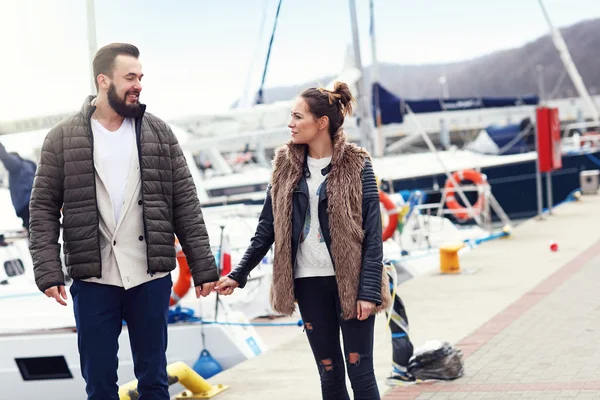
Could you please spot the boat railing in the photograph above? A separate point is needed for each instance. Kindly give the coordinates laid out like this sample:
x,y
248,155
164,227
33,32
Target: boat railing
x,y
484,212
484,189
580,127
423,225
578,136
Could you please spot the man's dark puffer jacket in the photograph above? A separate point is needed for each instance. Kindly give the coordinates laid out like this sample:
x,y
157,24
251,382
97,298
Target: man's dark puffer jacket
x,y
65,178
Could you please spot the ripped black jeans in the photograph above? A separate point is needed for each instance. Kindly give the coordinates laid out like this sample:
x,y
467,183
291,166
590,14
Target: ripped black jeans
x,y
320,308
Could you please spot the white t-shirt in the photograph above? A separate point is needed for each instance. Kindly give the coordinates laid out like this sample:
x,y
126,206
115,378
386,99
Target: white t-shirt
x,y
114,151
313,258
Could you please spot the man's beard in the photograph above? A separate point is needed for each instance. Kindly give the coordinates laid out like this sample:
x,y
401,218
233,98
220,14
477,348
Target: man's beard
x,y
120,105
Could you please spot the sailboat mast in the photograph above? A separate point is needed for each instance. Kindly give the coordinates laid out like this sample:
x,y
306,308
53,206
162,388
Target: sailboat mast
x,y
375,83
259,96
363,115
92,43
565,56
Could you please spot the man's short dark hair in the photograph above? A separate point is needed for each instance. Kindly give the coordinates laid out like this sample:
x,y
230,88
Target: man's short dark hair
x,y
104,60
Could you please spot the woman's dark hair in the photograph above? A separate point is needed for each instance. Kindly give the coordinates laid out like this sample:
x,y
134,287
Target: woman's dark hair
x,y
334,104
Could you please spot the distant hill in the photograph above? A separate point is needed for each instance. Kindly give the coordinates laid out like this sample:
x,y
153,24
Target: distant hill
x,y
503,73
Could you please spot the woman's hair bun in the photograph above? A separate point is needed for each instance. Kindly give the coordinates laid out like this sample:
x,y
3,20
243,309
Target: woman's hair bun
x,y
342,92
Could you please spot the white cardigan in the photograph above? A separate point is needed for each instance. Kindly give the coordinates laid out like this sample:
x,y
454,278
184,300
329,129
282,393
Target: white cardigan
x,y
123,245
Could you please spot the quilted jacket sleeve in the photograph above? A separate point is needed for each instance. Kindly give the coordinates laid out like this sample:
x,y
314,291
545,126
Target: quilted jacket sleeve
x,y
259,244
372,268
188,219
44,223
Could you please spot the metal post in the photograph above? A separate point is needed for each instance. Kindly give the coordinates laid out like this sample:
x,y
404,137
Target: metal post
x,y
92,43
444,84
488,211
444,132
364,117
496,207
540,75
538,177
219,266
219,269
380,145
549,191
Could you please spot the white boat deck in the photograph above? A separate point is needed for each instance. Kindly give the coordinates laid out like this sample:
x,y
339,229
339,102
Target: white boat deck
x,y
415,165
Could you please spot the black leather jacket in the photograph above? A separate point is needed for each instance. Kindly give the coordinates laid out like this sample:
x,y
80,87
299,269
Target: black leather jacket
x,y
372,255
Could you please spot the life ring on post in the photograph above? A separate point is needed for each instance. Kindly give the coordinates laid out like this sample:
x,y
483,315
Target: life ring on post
x,y
389,206
184,280
471,175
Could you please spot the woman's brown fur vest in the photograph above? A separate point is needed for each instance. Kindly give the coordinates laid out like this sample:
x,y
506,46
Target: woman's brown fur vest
x,y
344,196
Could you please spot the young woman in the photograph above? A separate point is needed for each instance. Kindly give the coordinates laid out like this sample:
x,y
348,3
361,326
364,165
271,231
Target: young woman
x,y
322,212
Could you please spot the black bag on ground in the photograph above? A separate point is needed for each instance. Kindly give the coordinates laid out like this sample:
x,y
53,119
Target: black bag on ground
x,y
442,363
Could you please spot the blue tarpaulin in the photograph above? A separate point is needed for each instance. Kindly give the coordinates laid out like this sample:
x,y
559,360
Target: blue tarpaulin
x,y
502,135
393,107
389,104
505,139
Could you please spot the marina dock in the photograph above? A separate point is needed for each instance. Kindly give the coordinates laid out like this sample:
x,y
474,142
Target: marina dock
x,y
526,319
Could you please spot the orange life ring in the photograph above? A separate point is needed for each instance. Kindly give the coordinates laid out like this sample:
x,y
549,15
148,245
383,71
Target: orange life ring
x,y
465,175
389,205
184,281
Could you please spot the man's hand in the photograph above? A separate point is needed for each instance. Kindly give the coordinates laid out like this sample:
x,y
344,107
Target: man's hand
x,y
226,286
58,293
364,309
205,289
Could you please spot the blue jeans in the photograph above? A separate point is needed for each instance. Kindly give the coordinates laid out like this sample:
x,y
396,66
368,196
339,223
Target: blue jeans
x,y
320,308
99,312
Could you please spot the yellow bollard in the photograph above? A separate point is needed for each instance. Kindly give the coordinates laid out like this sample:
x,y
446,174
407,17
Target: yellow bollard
x,y
179,372
449,262
128,391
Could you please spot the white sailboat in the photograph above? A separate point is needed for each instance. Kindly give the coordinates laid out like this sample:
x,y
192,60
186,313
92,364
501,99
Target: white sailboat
x,y
38,339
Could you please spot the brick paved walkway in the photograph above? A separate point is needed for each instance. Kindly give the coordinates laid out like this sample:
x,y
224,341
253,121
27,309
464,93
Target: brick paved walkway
x,y
544,346
519,324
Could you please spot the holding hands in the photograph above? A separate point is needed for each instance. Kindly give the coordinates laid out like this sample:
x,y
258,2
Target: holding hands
x,y
205,289
226,286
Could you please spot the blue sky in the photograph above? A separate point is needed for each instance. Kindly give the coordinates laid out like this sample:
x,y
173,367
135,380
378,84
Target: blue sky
x,y
197,54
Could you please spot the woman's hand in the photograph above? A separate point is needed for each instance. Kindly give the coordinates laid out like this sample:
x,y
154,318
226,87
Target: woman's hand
x,y
364,309
226,286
